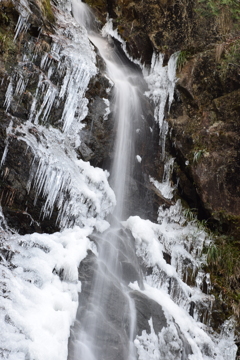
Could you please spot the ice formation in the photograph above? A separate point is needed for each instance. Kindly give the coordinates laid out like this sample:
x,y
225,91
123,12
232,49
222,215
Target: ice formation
x,y
39,291
161,82
165,187
67,183
24,13
183,240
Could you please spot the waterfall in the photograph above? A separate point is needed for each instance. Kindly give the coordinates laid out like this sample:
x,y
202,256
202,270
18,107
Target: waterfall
x,y
127,287
105,330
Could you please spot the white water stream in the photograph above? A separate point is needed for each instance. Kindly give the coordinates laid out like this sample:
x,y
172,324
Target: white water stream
x,y
97,332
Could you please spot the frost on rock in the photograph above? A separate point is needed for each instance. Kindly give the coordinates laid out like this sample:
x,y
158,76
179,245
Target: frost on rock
x,y
172,235
183,338
80,192
161,83
165,187
147,345
107,110
39,292
108,30
24,12
165,345
64,73
182,241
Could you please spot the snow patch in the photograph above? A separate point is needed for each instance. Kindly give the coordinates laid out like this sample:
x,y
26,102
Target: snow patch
x,y
39,299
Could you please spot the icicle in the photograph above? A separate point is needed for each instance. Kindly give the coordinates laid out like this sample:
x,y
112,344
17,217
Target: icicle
x,y
4,155
44,61
161,82
71,185
8,132
74,87
22,25
35,99
165,187
47,103
8,95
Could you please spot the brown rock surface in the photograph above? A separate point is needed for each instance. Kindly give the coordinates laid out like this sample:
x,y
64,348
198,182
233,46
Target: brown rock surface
x,y
206,132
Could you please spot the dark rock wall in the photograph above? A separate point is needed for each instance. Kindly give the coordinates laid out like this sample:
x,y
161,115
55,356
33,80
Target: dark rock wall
x,y
205,133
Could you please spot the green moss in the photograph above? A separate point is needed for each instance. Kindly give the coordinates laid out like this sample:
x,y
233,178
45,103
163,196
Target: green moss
x,y
182,59
7,44
215,7
98,4
224,266
230,58
48,10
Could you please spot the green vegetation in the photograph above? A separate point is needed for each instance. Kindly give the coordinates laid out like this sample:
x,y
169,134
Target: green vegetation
x,y
198,155
216,7
190,214
48,10
223,264
230,58
223,259
182,59
7,44
4,19
98,4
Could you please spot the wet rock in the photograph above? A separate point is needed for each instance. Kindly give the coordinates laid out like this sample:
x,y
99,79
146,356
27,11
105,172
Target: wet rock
x,y
145,310
109,324
19,207
165,26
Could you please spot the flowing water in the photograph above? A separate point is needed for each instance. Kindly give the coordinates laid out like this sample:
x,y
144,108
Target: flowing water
x,y
104,330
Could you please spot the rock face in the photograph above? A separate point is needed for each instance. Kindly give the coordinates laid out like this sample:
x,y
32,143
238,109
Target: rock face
x,y
164,25
147,309
15,199
205,135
